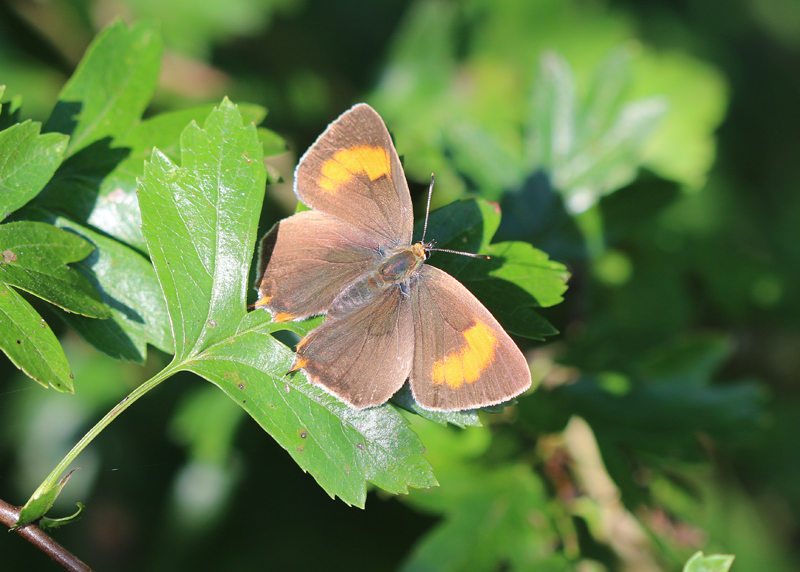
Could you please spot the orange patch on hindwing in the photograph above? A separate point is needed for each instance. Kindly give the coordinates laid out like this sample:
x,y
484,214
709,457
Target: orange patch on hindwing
x,y
467,365
299,363
263,301
346,164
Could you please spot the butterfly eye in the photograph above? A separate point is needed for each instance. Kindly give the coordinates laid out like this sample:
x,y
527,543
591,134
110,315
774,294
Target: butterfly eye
x,y
427,248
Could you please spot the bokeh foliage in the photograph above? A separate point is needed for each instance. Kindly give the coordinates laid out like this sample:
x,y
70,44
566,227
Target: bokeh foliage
x,y
666,415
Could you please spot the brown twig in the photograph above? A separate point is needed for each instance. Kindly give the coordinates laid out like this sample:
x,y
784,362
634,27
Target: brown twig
x,y
44,542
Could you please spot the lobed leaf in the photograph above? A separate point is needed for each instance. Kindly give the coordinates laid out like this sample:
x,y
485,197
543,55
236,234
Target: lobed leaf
x,y
10,110
490,518
35,259
200,225
104,99
30,344
199,221
101,106
27,161
512,282
130,291
711,563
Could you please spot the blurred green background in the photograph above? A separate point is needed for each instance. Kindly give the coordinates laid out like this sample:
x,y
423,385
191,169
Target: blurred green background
x,y
652,147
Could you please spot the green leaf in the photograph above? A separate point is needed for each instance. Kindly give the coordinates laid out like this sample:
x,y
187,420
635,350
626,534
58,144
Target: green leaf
x,y
490,518
517,277
105,197
51,523
467,225
36,258
272,143
340,447
100,106
550,128
659,420
481,132
589,149
30,344
405,399
683,147
40,503
491,162
710,563
130,290
111,88
27,161
200,221
9,111
200,226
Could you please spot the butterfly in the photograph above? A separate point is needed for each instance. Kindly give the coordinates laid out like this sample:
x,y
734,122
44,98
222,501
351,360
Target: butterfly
x,y
390,317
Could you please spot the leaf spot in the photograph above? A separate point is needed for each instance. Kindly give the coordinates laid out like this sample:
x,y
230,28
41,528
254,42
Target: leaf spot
x,y
8,256
301,449
303,433
360,446
286,388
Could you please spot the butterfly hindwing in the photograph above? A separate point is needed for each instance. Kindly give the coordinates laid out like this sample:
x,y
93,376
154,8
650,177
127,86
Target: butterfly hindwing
x,y
463,359
362,353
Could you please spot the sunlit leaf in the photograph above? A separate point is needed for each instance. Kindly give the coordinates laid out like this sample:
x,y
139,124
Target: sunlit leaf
x,y
711,563
27,161
200,220
30,344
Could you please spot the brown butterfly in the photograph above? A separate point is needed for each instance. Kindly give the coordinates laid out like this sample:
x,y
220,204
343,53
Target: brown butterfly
x,y
390,318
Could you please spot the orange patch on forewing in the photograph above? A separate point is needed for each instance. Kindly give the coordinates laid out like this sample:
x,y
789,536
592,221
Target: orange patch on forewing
x,y
346,164
299,363
467,365
283,317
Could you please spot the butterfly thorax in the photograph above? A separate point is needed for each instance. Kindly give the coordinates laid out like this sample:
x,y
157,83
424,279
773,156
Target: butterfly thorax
x,y
400,266
396,270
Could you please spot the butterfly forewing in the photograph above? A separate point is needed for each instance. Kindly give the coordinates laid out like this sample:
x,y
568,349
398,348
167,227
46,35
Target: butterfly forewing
x,y
463,359
353,172
305,260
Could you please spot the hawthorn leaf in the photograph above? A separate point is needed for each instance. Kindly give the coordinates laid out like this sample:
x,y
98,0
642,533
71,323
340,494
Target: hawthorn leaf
x,y
27,161
30,344
200,221
711,563
36,258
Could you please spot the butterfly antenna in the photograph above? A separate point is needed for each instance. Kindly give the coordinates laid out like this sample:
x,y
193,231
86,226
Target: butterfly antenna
x,y
427,210
469,254
425,230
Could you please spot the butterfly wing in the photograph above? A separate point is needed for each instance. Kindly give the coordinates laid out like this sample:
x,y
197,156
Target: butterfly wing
x,y
363,351
463,359
306,260
353,172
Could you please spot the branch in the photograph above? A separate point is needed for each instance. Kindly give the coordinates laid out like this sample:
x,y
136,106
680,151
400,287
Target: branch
x,y
44,542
